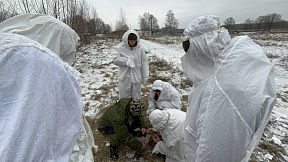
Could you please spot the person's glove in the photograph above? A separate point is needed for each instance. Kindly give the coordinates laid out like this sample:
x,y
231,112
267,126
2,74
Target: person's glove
x,y
130,62
148,112
144,80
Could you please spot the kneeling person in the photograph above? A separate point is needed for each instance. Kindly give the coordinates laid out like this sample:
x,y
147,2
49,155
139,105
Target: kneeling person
x,y
119,122
169,123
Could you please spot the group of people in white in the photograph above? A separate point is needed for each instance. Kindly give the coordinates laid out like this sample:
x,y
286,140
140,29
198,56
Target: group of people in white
x,y
230,102
164,101
41,118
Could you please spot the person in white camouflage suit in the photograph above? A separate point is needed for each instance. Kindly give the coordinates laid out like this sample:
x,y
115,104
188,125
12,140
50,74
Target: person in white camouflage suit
x,y
133,65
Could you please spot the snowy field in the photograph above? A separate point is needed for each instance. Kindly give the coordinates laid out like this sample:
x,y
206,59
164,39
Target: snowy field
x,y
99,86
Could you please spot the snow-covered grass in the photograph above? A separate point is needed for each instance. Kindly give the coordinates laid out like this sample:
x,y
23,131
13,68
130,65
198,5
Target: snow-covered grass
x,y
99,86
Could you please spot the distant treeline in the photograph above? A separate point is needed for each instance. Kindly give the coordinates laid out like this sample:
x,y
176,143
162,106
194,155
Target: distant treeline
x,y
268,22
254,27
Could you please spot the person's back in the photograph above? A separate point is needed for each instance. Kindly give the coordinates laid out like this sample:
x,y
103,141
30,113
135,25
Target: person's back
x,y
46,30
62,40
40,102
232,96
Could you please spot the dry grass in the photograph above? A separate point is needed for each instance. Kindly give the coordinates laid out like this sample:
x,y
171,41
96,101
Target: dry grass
x,y
284,62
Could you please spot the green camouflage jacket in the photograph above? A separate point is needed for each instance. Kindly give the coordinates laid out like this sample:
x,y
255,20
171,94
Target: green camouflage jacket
x,y
119,117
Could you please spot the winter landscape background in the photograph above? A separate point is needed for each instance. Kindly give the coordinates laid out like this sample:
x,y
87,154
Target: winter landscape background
x,y
99,88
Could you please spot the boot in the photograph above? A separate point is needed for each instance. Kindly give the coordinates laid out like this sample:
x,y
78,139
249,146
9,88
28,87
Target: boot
x,y
114,153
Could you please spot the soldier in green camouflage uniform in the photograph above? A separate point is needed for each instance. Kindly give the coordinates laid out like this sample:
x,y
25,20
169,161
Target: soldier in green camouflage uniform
x,y
119,122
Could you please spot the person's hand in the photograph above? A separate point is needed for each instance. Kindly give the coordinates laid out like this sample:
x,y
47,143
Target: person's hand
x,y
150,131
130,62
143,130
156,138
148,113
143,146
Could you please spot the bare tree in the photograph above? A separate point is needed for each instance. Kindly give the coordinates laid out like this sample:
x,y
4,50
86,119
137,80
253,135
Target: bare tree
x,y
96,25
107,29
259,21
229,23
148,22
75,13
171,22
143,21
121,24
271,19
248,24
25,5
7,10
92,22
153,23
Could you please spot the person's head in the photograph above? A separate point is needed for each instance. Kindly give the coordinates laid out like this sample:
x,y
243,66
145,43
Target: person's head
x,y
208,25
204,40
132,39
136,107
46,30
158,119
157,92
157,87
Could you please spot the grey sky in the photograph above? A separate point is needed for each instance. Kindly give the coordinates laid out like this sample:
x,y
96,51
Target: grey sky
x,y
187,10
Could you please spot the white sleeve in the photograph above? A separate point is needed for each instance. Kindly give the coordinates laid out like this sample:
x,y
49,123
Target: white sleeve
x,y
145,65
152,104
165,148
176,101
118,59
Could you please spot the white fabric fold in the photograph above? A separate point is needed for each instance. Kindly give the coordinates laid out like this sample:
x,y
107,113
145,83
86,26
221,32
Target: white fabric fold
x,y
40,112
169,98
232,96
46,30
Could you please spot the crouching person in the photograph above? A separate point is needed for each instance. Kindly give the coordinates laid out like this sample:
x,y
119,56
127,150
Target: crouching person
x,y
169,123
119,122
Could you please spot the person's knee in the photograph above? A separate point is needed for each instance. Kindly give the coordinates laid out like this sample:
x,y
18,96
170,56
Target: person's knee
x,y
101,129
114,141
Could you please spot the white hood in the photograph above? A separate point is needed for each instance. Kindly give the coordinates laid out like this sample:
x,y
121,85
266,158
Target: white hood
x,y
121,54
46,30
125,39
232,96
170,125
169,97
40,112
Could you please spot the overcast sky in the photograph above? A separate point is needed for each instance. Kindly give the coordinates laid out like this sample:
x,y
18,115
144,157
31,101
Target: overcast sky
x,y
187,10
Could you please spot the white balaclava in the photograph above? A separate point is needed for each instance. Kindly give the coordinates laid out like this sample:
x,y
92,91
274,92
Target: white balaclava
x,y
158,119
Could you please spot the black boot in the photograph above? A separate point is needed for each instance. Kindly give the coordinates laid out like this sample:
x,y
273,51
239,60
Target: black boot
x,y
114,153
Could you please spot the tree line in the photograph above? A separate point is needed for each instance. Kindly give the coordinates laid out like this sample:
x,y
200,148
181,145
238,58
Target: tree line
x,y
80,16
83,18
148,22
261,23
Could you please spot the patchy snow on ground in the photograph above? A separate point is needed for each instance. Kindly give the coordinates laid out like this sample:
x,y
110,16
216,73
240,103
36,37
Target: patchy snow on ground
x,y
99,82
